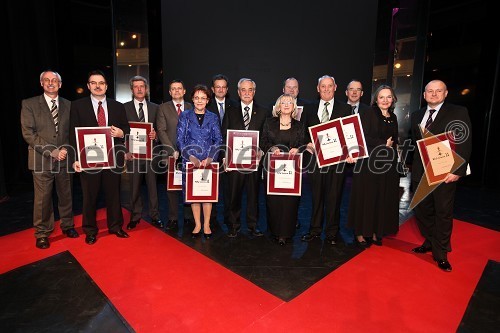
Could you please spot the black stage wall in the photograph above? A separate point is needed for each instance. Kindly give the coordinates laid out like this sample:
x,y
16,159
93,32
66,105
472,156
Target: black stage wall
x,y
269,41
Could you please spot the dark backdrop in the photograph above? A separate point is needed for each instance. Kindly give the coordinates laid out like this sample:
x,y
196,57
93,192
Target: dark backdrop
x,y
269,41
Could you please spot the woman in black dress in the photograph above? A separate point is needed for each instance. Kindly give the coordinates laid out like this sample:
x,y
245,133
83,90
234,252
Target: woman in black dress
x,y
282,134
374,203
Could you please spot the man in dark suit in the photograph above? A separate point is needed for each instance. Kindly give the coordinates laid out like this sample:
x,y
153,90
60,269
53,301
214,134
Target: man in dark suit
x,y
218,105
139,109
235,119
291,87
327,182
45,127
435,212
93,111
166,122
354,92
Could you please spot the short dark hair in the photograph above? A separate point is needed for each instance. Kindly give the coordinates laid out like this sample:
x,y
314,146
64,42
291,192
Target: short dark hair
x,y
96,72
203,88
219,77
175,81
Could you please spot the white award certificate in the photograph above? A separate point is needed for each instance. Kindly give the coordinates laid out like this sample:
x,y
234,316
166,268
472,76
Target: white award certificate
x,y
329,141
96,148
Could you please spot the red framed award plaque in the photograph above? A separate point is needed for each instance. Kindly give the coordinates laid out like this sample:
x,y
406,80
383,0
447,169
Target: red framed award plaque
x,y
354,136
438,156
284,174
242,150
174,175
138,142
95,148
329,142
202,184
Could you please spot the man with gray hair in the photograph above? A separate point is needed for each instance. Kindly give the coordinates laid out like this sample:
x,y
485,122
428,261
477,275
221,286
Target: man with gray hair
x,y
139,109
45,127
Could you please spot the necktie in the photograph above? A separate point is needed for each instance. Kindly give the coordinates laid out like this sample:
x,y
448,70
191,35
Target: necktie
x,y
429,120
55,114
178,109
353,109
221,111
324,116
246,117
141,113
101,119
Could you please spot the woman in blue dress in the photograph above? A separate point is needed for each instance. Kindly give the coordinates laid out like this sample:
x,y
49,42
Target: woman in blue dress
x,y
199,140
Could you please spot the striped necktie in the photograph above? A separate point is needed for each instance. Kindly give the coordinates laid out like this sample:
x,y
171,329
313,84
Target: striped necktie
x,y
246,117
221,111
55,114
324,116
429,120
141,113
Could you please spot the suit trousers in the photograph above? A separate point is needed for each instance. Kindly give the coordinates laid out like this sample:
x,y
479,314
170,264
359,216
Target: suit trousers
x,y
109,182
237,182
43,209
142,171
435,219
326,187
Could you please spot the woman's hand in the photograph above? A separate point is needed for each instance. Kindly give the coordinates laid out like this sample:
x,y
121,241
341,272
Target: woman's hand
x,y
196,162
389,142
293,151
276,151
206,162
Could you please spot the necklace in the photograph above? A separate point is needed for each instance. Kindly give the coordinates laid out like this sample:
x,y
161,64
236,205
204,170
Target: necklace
x,y
285,124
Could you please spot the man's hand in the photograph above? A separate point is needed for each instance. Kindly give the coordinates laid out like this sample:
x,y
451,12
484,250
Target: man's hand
x,y
175,154
59,154
450,178
310,148
129,156
152,134
293,151
77,166
116,132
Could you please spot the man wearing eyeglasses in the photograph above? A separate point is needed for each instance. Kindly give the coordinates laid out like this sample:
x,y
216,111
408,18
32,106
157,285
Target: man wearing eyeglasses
x,y
45,127
99,110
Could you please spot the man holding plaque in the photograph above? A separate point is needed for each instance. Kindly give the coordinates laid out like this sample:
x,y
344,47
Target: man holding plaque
x,y
139,109
45,127
326,183
246,115
434,213
91,112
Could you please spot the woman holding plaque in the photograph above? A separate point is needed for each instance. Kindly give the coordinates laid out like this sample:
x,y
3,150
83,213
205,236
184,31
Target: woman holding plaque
x,y
199,139
374,203
282,134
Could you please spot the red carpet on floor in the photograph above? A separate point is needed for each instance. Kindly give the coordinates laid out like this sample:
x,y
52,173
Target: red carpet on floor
x,y
159,284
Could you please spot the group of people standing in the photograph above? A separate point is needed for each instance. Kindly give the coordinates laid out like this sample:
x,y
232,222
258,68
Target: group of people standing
x,y
196,133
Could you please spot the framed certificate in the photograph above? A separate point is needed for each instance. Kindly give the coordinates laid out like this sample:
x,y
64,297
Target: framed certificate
x,y
174,175
202,184
138,142
354,136
242,150
437,153
95,148
329,142
284,174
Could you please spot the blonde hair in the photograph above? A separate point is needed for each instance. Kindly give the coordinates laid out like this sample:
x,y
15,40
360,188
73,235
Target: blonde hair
x,y
277,105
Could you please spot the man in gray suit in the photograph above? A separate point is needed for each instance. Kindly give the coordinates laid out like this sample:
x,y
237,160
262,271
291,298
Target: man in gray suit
x,y
45,127
166,120
139,109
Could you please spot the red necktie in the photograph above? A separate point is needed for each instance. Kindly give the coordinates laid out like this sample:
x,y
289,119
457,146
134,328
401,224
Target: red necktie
x,y
178,109
101,119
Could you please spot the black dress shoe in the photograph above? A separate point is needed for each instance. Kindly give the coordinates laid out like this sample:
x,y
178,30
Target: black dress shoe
x,y
132,224
421,249
42,243
331,240
377,241
362,244
171,225
90,239
232,233
71,233
309,237
255,232
444,265
157,223
120,233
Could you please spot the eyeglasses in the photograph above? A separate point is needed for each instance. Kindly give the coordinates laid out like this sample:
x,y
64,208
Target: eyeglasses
x,y
286,103
100,83
196,98
46,80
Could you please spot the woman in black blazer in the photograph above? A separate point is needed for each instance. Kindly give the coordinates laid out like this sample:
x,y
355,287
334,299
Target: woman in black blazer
x,y
282,134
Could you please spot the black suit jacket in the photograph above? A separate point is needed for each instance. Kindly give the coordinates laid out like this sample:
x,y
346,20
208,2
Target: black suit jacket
x,y
448,114
233,119
82,115
213,106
